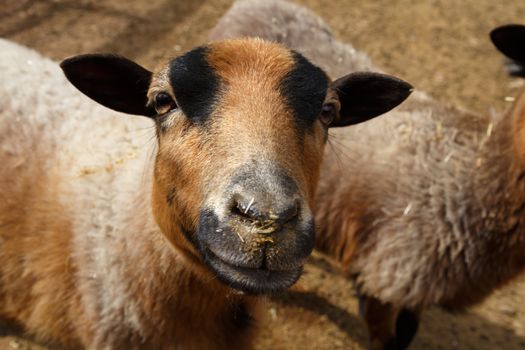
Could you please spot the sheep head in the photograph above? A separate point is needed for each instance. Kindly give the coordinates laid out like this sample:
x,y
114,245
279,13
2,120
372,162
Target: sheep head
x,y
241,128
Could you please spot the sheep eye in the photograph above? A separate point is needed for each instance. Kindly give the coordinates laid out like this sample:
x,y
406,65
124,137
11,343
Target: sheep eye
x,y
164,103
328,114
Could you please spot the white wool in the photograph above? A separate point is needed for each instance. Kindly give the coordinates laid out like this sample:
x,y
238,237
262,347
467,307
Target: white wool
x,y
103,160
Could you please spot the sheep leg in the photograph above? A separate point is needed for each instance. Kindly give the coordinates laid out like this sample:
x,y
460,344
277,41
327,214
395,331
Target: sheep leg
x,y
389,327
407,324
380,319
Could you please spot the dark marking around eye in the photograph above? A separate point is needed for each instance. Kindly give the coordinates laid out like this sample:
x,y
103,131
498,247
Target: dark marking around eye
x,y
304,89
194,83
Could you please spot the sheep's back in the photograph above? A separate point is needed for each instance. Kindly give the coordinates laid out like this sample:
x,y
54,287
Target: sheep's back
x,y
413,185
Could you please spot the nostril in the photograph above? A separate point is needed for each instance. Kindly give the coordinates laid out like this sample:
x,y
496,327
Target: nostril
x,y
247,209
275,215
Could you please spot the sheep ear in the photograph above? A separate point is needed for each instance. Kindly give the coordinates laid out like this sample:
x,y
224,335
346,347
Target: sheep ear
x,y
366,95
510,40
112,81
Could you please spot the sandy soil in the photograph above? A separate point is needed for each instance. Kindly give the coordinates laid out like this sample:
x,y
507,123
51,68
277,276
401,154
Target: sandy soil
x,y
439,46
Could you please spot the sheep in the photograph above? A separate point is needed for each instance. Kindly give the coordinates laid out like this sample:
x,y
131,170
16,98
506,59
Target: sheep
x,y
430,211
110,240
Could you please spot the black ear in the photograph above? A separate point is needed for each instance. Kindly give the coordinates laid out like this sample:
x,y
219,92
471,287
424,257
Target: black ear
x,y
366,95
510,40
113,81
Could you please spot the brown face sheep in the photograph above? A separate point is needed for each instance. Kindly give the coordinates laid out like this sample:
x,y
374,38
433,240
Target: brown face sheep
x,y
103,247
430,212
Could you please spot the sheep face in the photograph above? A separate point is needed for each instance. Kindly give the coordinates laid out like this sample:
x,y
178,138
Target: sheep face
x,y
241,128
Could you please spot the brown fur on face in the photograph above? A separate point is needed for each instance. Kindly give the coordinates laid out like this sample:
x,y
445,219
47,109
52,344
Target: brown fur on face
x,y
263,127
241,129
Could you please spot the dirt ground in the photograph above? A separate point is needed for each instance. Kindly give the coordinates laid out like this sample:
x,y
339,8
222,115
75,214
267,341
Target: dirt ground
x,y
439,46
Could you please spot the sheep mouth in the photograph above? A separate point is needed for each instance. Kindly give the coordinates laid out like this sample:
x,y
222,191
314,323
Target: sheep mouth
x,y
252,280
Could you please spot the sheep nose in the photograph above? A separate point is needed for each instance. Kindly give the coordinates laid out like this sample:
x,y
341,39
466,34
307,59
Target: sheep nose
x,y
265,217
